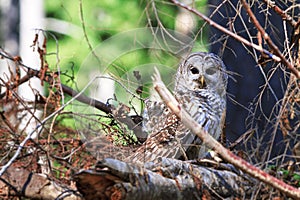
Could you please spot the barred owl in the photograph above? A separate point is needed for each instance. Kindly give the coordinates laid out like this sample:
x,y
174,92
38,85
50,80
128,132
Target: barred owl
x,y
200,87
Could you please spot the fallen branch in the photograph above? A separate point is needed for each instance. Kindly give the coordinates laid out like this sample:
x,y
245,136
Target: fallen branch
x,y
169,179
22,183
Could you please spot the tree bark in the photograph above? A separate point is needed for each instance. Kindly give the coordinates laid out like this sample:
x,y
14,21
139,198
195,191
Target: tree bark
x,y
19,182
170,179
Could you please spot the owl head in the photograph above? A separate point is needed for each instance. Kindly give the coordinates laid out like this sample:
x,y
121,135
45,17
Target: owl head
x,y
201,71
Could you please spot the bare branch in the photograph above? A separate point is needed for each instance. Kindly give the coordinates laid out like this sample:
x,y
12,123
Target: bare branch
x,y
23,183
278,57
281,13
49,78
168,179
269,41
29,136
84,31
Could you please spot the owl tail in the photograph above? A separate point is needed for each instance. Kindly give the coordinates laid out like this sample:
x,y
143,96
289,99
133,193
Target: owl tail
x,y
101,147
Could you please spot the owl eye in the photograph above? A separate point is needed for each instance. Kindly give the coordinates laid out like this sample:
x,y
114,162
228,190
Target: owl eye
x,y
210,71
194,70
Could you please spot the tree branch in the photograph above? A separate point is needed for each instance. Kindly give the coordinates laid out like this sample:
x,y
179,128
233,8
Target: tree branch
x,y
269,41
22,183
278,57
169,179
281,13
48,78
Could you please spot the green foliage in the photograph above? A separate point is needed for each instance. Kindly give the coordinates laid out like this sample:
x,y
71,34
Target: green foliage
x,y
102,20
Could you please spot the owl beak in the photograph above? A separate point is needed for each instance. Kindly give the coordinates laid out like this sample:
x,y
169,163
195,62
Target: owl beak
x,y
202,82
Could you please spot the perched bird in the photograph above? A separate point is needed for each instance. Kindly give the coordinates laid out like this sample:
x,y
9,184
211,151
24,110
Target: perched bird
x,y
200,87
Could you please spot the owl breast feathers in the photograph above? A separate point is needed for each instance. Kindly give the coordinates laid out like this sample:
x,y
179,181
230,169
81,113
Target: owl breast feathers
x,y
200,87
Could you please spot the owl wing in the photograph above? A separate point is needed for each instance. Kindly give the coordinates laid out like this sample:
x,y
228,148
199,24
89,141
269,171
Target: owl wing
x,y
153,112
208,110
163,140
170,138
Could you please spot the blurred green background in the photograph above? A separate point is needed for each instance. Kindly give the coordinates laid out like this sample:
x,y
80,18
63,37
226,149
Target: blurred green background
x,y
109,26
106,18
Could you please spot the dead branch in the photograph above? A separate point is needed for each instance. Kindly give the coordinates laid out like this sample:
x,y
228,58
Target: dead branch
x,y
49,78
278,57
133,122
269,41
281,13
108,109
85,32
22,183
170,179
41,123
208,140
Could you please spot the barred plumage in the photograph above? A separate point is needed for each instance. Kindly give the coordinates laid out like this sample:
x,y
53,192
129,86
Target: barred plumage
x,y
200,87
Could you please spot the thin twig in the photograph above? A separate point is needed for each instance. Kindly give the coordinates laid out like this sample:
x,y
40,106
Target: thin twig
x,y
281,13
84,32
49,78
29,136
208,140
278,57
269,41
